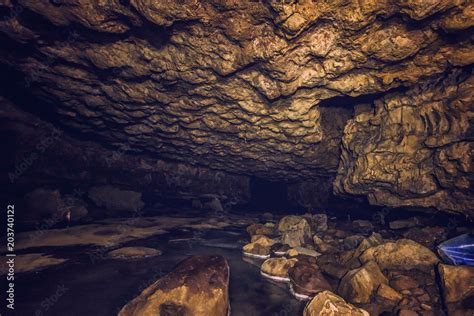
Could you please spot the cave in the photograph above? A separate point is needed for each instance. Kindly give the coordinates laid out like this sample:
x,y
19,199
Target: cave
x,y
214,158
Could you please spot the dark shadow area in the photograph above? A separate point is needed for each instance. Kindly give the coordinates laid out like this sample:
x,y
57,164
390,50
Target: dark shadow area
x,y
268,196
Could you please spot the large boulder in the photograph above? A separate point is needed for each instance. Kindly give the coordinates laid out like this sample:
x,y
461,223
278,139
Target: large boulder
x,y
329,304
358,285
404,254
277,268
306,279
457,283
116,200
197,286
295,231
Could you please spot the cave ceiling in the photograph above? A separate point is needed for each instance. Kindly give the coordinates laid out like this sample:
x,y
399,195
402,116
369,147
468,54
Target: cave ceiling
x,y
261,88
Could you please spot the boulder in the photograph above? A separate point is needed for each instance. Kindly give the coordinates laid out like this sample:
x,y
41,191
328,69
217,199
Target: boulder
x,y
278,249
404,254
116,200
261,229
197,286
327,303
404,223
295,230
306,279
373,240
358,285
352,242
457,283
323,246
388,294
318,222
260,248
298,251
277,268
133,253
403,282
362,226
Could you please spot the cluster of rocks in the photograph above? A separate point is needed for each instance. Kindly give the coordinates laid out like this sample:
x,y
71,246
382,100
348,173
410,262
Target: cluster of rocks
x,y
354,269
51,206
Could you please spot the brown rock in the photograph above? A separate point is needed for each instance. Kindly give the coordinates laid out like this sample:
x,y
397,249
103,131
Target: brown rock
x,y
329,304
295,231
260,248
403,282
306,280
133,253
197,286
386,292
260,229
404,254
277,268
457,283
358,285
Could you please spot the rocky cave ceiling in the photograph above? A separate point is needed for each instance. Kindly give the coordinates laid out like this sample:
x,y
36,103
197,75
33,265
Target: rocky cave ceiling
x,y
267,88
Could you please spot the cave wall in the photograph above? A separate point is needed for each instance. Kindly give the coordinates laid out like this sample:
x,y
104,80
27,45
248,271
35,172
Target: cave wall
x,y
41,155
414,149
265,88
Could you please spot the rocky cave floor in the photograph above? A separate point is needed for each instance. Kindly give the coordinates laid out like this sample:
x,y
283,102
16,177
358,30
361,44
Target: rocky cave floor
x,y
277,265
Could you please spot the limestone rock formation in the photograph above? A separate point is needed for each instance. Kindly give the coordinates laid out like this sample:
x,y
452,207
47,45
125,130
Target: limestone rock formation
x,y
457,283
258,88
415,149
197,286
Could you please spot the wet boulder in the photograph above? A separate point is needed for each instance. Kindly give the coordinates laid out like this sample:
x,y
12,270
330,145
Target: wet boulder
x,y
116,200
259,248
327,303
295,231
404,254
358,285
277,268
133,253
306,279
198,286
458,284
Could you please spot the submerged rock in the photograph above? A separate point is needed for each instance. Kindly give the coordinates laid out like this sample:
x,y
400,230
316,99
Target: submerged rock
x,y
306,279
404,254
358,285
134,253
277,268
197,286
32,262
295,230
329,304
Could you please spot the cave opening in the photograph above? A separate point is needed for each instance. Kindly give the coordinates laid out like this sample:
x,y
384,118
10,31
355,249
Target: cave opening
x,y
279,157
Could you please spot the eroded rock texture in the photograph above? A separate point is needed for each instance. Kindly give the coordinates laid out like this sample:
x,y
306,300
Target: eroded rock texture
x,y
259,88
415,149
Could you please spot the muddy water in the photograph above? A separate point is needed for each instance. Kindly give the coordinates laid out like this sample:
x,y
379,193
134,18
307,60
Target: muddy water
x,y
91,284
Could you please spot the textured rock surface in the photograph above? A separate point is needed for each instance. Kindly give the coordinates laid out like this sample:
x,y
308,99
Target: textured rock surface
x,y
50,157
404,254
329,304
457,283
263,88
415,149
197,286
